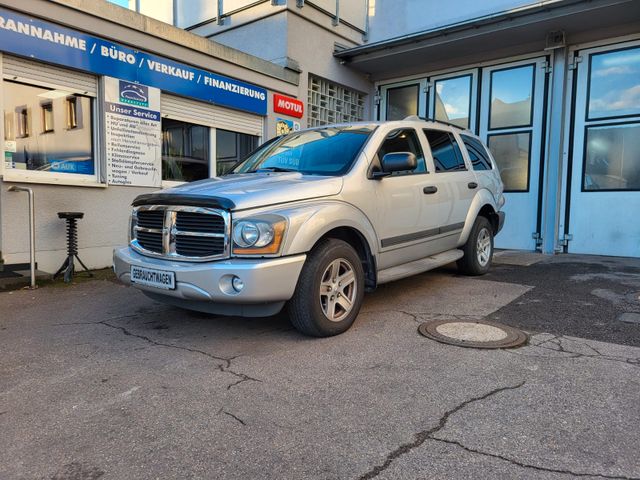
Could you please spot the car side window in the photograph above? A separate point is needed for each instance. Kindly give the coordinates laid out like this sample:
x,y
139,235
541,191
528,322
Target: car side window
x,y
447,156
403,140
477,153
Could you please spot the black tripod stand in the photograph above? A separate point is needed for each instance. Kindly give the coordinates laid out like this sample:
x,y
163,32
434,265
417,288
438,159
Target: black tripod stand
x,y
72,246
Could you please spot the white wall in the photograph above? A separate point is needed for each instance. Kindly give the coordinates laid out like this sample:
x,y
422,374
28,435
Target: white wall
x,y
104,226
394,18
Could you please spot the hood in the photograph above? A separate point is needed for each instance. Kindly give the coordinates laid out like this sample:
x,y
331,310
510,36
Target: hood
x,y
262,189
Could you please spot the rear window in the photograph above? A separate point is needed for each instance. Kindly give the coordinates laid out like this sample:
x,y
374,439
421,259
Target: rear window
x,y
477,153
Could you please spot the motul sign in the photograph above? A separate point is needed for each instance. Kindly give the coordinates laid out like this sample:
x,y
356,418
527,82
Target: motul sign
x,y
288,106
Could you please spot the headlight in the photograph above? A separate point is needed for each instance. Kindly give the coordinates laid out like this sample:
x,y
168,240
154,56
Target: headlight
x,y
258,237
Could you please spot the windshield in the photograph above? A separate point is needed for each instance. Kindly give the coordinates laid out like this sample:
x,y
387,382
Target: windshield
x,y
326,151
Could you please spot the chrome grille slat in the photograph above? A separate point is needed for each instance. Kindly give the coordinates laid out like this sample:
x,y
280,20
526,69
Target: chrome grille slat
x,y
150,219
181,233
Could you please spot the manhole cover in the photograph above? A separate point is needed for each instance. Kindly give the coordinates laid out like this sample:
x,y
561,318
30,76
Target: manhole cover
x,y
481,334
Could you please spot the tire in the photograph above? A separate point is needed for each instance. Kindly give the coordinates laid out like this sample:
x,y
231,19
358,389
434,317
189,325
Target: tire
x,y
478,251
332,310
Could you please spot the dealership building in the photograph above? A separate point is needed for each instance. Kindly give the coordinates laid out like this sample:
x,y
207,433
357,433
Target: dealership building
x,y
102,103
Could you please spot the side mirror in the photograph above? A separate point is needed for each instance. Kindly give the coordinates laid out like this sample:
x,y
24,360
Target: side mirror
x,y
396,162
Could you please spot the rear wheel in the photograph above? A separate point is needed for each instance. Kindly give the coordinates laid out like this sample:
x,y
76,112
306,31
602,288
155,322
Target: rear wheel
x,y
330,290
478,251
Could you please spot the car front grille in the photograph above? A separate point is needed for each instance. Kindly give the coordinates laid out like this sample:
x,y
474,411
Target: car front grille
x,y
181,233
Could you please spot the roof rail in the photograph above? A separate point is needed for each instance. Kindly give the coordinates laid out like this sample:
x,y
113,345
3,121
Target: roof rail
x,y
426,119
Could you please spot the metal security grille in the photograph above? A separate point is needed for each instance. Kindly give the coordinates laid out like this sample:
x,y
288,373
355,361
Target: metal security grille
x,y
181,233
30,71
332,103
192,111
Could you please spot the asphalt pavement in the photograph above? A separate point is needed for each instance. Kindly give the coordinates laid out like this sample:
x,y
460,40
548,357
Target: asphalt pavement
x,y
99,382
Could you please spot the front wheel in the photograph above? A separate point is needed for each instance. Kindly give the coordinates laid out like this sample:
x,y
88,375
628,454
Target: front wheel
x,y
330,290
478,251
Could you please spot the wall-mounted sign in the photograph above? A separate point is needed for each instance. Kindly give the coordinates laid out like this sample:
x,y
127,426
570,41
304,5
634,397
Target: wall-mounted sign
x,y
288,106
133,134
284,126
47,41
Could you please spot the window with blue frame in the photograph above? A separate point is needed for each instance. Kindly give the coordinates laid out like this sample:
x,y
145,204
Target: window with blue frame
x,y
40,136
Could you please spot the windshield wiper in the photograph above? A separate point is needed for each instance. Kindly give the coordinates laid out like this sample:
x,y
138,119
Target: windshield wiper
x,y
273,169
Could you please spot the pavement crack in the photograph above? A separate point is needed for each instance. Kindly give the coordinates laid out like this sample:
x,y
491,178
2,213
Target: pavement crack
x,y
528,465
236,418
242,378
424,435
597,354
560,347
223,363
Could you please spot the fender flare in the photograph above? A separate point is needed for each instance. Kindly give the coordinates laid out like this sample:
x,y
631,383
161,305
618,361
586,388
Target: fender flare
x,y
482,198
309,224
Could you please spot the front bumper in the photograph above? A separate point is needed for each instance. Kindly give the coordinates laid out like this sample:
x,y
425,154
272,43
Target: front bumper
x,y
203,286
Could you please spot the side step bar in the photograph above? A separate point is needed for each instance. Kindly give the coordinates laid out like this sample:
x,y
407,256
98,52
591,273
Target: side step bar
x,y
418,266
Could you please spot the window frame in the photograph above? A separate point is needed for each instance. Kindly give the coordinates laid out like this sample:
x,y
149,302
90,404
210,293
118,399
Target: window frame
x,y
468,75
377,161
22,122
47,108
398,87
71,107
532,96
584,156
58,178
587,118
502,134
187,136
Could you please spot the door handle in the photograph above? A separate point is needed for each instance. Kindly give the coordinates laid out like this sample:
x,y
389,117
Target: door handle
x,y
472,185
429,190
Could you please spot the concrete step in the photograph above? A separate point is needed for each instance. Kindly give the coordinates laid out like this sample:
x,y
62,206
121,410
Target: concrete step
x,y
418,266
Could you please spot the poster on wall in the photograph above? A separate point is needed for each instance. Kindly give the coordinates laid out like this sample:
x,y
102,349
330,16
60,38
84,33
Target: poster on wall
x,y
133,134
284,126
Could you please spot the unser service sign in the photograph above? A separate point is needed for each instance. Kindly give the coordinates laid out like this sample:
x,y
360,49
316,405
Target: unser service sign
x,y
133,133
288,106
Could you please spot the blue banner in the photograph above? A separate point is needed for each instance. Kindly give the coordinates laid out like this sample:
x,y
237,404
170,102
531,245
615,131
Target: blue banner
x,y
51,43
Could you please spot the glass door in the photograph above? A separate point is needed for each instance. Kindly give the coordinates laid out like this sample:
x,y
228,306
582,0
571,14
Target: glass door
x,y
604,202
512,124
400,100
454,98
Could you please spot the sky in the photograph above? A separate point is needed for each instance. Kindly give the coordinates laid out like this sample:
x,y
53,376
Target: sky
x,y
122,3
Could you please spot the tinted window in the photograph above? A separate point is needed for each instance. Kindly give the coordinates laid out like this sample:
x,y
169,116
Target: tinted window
x,y
403,141
477,154
512,152
402,102
185,151
612,161
231,147
446,153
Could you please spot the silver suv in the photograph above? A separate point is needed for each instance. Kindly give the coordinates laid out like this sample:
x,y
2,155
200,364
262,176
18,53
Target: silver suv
x,y
317,218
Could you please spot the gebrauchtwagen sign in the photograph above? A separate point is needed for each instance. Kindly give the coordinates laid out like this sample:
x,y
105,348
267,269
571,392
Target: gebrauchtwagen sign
x,y
30,37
